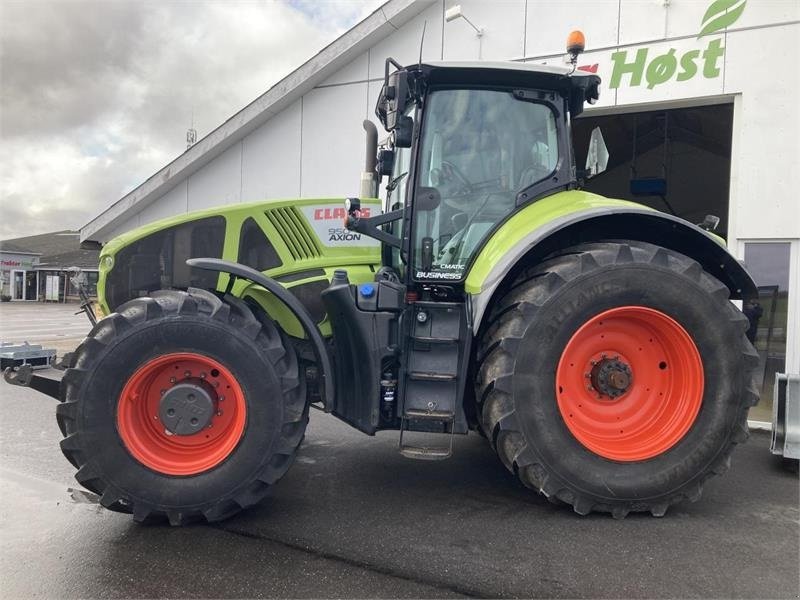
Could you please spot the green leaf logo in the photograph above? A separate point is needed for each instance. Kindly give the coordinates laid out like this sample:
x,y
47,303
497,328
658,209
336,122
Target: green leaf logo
x,y
721,14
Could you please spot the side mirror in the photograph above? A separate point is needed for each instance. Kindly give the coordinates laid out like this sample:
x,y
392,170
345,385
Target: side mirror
x,y
710,223
396,93
597,156
385,162
401,134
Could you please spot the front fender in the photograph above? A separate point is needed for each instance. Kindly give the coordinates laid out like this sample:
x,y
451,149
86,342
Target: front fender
x,y
292,304
575,217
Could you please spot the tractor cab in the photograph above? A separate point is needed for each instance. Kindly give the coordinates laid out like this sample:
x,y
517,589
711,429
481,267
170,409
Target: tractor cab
x,y
470,143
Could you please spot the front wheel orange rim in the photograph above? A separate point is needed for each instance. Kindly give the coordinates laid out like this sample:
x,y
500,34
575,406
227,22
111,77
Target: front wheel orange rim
x,y
630,383
174,385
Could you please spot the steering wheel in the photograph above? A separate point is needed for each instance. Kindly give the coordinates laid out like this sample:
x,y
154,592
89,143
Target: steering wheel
x,y
450,180
451,172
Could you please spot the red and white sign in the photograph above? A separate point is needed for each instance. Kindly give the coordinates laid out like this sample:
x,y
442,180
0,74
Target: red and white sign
x,y
327,221
331,213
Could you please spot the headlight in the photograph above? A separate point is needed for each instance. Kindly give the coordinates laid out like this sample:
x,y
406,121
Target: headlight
x,y
107,262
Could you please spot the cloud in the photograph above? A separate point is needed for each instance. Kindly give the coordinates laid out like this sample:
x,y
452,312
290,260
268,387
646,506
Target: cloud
x,y
97,96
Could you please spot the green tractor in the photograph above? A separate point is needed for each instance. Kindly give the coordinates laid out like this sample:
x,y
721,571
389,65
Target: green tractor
x,y
591,341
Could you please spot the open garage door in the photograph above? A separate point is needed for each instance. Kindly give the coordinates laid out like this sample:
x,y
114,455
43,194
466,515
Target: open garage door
x,y
676,161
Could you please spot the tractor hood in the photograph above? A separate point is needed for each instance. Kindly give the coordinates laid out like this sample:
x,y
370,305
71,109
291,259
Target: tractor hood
x,y
283,238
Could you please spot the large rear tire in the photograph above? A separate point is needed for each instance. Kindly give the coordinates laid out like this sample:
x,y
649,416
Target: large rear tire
x,y
182,406
616,377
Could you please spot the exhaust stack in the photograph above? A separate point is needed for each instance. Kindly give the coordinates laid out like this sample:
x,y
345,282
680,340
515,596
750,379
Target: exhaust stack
x,y
369,178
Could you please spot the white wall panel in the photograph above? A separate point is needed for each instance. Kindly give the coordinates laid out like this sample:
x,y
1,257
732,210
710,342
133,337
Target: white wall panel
x,y
766,152
646,20
550,21
356,70
333,141
685,17
641,20
503,24
219,182
123,228
768,12
170,204
271,158
403,44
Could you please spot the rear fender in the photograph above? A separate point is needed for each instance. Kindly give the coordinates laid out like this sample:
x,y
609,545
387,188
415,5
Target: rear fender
x,y
623,221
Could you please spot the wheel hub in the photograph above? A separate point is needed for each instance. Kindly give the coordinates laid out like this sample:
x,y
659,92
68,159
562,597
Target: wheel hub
x,y
156,408
611,377
614,413
187,407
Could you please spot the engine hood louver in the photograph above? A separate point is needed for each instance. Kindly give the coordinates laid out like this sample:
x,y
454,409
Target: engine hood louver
x,y
295,232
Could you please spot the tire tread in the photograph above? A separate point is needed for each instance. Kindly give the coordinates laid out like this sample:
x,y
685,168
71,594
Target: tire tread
x,y
161,304
507,324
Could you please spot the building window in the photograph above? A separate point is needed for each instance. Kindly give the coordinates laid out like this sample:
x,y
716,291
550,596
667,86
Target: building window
x,y
769,263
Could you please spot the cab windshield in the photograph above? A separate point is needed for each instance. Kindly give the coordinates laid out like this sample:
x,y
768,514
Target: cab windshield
x,y
479,149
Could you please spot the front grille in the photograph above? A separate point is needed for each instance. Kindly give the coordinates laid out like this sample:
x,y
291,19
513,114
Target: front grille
x,y
294,232
158,261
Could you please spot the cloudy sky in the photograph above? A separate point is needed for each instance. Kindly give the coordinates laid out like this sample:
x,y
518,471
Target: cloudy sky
x,y
97,96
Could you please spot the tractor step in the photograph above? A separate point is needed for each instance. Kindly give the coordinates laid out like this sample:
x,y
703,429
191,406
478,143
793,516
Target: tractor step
x,y
445,418
422,376
427,339
423,453
434,379
432,415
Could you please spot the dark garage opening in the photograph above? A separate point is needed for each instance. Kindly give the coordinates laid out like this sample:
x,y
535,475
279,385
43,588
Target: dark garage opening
x,y
684,152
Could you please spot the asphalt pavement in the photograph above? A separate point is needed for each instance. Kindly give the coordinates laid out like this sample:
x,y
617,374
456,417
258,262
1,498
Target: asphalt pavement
x,y
354,519
50,325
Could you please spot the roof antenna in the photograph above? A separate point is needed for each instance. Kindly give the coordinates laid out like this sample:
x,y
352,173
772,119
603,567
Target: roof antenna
x,y
422,41
191,133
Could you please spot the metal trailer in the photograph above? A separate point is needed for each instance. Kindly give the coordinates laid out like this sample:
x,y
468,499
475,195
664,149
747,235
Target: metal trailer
x,y
16,355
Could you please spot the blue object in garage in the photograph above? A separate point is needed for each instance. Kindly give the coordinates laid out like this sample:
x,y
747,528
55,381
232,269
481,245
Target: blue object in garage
x,y
649,186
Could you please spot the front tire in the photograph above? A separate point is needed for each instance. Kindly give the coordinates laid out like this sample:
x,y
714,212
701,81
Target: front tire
x,y
182,406
616,377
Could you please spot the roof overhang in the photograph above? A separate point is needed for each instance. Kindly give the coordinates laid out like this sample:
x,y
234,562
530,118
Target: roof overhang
x,y
9,251
386,19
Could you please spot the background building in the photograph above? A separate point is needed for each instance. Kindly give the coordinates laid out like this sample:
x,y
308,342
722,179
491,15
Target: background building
x,y
698,108
34,267
18,278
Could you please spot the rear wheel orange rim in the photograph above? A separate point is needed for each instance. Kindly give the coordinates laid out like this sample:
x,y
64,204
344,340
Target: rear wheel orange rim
x,y
630,383
141,419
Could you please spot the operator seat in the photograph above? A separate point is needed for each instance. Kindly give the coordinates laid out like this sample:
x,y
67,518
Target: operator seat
x,y
538,169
